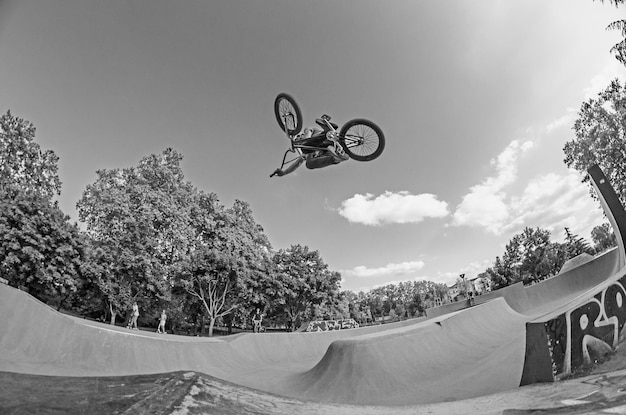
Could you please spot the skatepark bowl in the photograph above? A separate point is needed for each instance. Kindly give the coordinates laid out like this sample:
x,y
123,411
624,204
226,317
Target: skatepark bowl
x,y
511,337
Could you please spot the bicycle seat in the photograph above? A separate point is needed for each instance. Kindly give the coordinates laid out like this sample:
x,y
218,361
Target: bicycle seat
x,y
322,124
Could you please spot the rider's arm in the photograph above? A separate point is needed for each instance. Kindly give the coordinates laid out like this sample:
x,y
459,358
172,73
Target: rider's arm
x,y
297,163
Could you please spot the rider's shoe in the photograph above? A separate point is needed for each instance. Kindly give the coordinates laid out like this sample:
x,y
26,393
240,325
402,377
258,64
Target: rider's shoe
x,y
338,151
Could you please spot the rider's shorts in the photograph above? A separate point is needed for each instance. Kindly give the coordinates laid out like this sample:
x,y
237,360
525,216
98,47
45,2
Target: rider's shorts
x,y
321,161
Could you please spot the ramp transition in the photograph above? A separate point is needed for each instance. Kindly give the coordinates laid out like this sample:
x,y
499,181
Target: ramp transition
x,y
517,336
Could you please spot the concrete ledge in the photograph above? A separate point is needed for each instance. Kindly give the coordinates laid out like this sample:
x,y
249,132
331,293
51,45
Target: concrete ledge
x,y
447,308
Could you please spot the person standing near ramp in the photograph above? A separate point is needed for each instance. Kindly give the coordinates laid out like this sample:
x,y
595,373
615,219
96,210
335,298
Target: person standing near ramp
x,y
257,319
134,316
161,328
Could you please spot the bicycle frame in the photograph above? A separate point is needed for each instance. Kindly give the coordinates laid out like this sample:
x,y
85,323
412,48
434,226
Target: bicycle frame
x,y
329,131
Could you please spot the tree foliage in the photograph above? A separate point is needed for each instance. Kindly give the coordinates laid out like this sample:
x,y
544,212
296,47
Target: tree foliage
x,y
619,49
39,248
229,260
529,257
603,237
402,300
600,136
150,237
576,245
302,280
139,219
23,165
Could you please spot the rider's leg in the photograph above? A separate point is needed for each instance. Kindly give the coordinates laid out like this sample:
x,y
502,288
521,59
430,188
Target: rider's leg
x,y
309,132
311,137
337,150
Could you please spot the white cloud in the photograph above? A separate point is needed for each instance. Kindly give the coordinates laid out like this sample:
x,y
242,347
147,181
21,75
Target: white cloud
x,y
448,278
554,202
403,268
551,201
400,207
471,271
613,69
485,204
566,120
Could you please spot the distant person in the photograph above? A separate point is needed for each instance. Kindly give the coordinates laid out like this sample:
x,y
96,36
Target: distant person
x,y
161,328
257,319
134,316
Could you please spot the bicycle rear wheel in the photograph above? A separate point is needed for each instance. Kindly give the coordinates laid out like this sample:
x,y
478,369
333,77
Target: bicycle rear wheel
x,y
288,114
362,139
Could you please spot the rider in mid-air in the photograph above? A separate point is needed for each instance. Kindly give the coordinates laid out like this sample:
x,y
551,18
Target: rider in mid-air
x,y
358,139
329,152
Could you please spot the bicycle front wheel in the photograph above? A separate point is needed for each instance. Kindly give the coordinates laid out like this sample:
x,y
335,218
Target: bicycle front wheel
x,y
288,114
362,139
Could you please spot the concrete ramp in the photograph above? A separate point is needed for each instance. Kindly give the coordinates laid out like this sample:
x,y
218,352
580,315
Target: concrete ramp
x,y
517,336
468,354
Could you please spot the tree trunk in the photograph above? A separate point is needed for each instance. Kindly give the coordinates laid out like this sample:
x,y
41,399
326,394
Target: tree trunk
x,y
211,324
195,325
113,315
290,319
63,299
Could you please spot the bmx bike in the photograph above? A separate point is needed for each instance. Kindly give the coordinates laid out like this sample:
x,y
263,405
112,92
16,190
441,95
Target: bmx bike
x,y
361,139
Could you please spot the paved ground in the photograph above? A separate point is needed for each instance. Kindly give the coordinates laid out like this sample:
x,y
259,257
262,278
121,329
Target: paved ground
x,y
188,393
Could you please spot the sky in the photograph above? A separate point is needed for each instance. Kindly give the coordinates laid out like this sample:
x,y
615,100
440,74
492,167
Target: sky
x,y
476,100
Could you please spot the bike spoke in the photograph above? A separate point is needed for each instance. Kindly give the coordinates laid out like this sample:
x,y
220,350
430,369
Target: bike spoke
x,y
287,114
362,139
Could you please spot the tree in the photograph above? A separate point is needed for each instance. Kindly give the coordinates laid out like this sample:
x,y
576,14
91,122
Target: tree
x,y
555,256
39,248
22,163
619,49
229,260
104,270
139,218
600,135
387,295
302,280
532,245
603,237
362,311
464,286
410,295
576,245
375,303
212,280
529,256
248,242
500,274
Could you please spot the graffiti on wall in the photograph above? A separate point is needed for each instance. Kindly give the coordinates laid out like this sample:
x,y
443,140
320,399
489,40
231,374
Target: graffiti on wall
x,y
327,325
577,337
